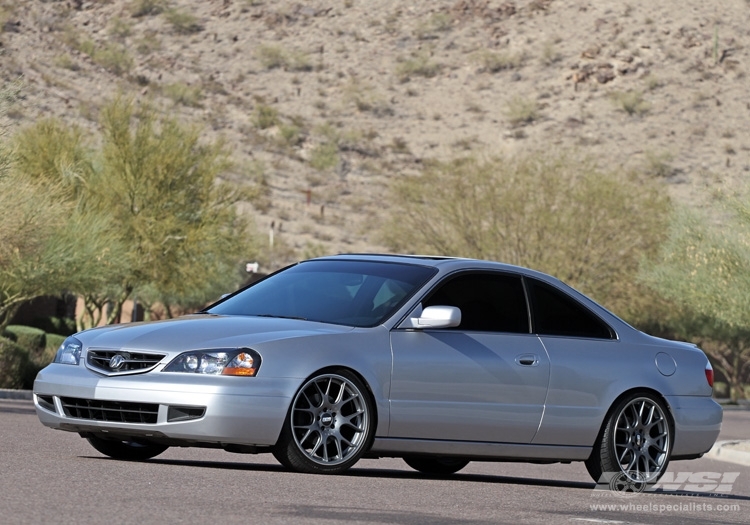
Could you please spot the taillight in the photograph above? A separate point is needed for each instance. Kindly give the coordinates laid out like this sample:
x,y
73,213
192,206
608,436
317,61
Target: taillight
x,y
710,375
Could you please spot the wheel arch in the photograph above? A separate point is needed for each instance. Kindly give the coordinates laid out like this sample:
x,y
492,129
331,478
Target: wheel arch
x,y
631,392
332,369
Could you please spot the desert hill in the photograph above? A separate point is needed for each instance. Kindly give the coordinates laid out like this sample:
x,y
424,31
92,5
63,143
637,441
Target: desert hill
x,y
325,102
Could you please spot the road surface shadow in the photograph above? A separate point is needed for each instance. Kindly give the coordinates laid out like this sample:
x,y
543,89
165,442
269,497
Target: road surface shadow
x,y
462,478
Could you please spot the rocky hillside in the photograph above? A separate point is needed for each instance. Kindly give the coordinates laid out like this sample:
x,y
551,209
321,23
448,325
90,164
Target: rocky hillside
x,y
326,101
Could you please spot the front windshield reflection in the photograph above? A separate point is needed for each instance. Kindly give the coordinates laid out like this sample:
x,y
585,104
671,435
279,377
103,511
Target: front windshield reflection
x,y
352,293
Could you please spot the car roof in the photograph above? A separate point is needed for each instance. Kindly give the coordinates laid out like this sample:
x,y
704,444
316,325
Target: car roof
x,y
445,263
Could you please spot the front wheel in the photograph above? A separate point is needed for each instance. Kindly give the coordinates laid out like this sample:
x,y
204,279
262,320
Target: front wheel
x,y
329,426
435,466
126,449
634,447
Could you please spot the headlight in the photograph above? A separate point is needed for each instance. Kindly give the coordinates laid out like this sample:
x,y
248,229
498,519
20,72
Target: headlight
x,y
234,362
69,352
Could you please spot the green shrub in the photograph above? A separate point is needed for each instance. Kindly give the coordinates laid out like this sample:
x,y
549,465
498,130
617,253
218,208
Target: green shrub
x,y
147,7
14,363
54,341
631,102
493,62
183,22
55,326
324,156
184,94
419,65
520,110
272,57
265,116
27,337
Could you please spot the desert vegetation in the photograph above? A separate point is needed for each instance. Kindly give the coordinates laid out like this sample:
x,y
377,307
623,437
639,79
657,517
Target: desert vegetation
x,y
322,111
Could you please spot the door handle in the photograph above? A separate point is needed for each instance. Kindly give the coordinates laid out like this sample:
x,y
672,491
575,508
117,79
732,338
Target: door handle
x,y
527,360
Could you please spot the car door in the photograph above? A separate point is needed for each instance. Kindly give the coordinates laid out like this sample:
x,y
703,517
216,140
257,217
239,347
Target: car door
x,y
584,362
485,380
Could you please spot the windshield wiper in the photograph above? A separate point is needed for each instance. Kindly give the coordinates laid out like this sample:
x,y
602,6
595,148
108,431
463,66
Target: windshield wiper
x,y
282,317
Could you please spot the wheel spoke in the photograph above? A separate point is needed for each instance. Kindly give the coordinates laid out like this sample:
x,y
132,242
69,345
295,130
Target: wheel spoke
x,y
318,444
322,395
312,405
348,419
339,452
307,435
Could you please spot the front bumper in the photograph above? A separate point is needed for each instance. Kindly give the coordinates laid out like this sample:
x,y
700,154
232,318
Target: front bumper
x,y
238,410
697,423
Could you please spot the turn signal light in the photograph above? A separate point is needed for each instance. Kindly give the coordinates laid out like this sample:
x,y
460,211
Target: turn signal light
x,y
242,365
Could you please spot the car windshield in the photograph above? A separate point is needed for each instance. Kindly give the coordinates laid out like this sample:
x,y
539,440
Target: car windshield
x,y
352,293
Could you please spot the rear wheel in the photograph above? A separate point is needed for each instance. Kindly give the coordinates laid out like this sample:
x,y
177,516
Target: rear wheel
x,y
329,426
126,449
435,466
634,447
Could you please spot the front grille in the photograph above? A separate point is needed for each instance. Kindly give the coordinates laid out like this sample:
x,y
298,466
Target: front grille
x,y
108,362
116,411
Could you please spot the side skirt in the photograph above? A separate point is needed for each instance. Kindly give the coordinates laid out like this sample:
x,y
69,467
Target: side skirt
x,y
477,450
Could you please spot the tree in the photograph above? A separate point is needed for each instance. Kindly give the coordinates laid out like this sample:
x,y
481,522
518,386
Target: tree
x,y
554,213
38,256
704,266
60,246
159,183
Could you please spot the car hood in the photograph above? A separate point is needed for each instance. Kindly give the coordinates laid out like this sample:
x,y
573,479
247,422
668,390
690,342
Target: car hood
x,y
202,331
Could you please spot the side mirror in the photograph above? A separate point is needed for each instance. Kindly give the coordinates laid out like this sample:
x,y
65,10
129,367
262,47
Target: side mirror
x,y
437,317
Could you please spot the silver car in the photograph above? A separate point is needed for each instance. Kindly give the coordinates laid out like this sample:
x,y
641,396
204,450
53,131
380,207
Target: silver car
x,y
439,361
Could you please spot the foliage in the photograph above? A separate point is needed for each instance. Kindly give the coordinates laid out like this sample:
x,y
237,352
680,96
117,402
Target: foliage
x,y
705,267
659,164
144,215
429,29
364,97
324,156
184,94
418,65
26,336
157,182
8,94
265,116
51,152
183,22
14,362
114,58
51,243
147,7
61,326
558,214
631,102
24,351
493,62
520,111
272,57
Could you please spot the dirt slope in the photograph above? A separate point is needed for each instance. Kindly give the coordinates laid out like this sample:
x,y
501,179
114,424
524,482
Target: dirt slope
x,y
326,101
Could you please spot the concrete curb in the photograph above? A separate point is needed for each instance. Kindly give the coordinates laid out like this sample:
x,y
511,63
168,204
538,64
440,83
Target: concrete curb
x,y
15,394
731,452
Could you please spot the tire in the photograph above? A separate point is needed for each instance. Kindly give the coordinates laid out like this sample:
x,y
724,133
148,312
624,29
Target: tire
x,y
434,466
634,446
126,449
329,426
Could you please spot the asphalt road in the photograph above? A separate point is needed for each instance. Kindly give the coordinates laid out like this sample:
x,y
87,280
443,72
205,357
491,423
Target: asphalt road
x,y
49,476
